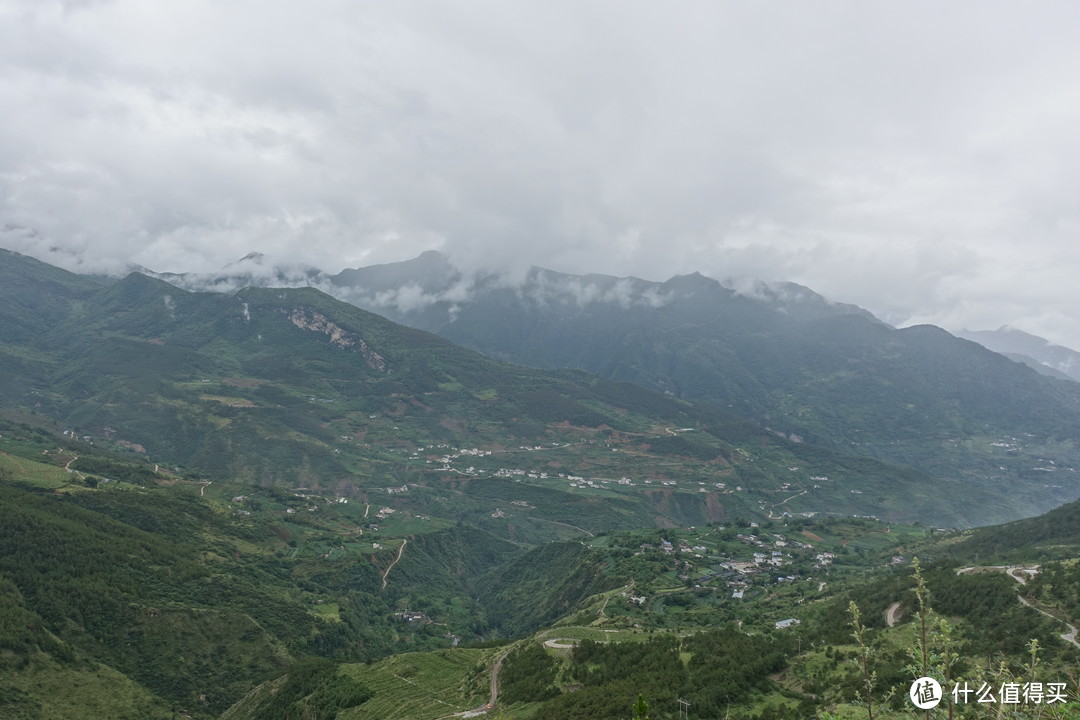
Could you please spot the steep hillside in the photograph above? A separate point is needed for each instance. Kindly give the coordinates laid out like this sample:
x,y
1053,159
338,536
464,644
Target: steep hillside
x,y
1051,536
148,601
697,627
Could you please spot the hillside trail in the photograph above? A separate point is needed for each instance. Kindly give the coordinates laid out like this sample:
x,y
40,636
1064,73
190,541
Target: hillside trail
x,y
387,571
495,678
555,522
603,608
497,668
892,614
1016,573
68,467
782,503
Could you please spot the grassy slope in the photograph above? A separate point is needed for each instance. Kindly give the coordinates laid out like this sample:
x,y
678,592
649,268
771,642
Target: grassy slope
x,y
406,687
192,602
47,690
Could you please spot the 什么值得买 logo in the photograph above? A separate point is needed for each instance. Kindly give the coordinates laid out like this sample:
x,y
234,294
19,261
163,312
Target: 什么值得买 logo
x,y
926,693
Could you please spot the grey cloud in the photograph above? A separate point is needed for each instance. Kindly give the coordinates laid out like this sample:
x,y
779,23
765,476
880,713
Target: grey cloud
x,y
918,159
536,286
545,289
411,297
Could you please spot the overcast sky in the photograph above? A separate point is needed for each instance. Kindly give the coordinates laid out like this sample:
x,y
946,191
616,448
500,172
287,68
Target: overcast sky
x,y
921,159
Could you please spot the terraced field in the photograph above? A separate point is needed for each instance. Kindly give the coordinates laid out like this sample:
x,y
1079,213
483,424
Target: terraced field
x,y
422,685
34,473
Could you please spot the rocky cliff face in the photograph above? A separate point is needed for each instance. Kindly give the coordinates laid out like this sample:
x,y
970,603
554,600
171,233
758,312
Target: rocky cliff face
x,y
339,337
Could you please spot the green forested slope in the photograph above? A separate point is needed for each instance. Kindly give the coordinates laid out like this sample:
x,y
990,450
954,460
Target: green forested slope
x,y
291,388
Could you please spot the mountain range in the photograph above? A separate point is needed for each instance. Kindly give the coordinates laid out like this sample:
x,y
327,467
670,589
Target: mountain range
x,y
290,387
777,354
270,503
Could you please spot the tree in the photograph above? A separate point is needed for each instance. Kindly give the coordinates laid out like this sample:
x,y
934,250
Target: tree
x,y
869,677
641,708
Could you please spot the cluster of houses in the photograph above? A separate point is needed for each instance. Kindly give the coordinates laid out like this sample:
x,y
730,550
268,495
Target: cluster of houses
x,y
771,551
412,616
575,481
518,474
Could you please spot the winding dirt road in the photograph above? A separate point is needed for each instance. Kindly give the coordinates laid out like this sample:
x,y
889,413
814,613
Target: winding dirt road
x,y
1021,573
494,691
556,645
603,608
1069,637
387,571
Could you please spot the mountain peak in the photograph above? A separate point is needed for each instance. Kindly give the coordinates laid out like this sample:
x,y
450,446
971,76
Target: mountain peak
x,y
430,270
254,257
693,280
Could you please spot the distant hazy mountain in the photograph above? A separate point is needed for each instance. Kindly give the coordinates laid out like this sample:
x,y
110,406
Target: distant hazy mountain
x,y
808,368
430,287
1037,352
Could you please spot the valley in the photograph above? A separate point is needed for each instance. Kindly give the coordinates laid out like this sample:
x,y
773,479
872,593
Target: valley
x,y
273,504
422,588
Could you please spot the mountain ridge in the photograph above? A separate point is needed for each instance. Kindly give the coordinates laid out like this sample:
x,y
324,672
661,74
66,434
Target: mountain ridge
x,y
1037,352
913,397
290,386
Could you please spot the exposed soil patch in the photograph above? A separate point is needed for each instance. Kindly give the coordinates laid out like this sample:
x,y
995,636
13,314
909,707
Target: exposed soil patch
x,y
243,382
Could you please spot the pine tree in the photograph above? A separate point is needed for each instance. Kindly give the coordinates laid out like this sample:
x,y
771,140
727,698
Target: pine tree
x,y
641,708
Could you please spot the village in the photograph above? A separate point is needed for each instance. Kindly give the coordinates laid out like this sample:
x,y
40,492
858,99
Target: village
x,y
446,455
764,555
726,566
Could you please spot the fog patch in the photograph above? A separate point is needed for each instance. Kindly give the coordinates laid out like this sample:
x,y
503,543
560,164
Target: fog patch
x,y
545,288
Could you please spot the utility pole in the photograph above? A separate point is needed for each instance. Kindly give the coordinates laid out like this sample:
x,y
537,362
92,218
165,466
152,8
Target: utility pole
x,y
684,708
